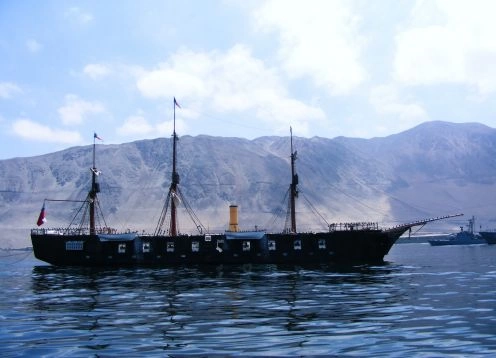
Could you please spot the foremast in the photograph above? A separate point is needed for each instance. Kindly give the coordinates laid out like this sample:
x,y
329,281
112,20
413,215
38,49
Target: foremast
x,y
293,189
95,188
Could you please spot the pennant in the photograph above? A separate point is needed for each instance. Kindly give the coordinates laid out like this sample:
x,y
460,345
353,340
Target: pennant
x,y
176,104
176,198
42,217
96,136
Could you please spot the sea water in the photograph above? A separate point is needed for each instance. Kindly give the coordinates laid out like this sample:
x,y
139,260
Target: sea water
x,y
424,301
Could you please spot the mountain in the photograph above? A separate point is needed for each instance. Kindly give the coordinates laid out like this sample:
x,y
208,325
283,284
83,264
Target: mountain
x,y
433,169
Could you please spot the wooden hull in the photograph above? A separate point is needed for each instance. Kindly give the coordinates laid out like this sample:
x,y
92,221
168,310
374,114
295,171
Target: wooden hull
x,y
367,246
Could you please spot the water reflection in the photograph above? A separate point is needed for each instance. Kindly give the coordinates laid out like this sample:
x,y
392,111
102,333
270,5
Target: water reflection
x,y
436,302
188,309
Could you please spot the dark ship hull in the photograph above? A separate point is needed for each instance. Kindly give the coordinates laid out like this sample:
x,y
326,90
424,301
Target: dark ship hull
x,y
348,246
489,236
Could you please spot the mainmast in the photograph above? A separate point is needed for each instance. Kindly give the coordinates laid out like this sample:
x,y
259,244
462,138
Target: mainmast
x,y
95,188
175,179
294,186
175,197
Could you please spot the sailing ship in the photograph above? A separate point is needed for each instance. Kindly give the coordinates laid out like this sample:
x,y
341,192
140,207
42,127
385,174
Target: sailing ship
x,y
360,242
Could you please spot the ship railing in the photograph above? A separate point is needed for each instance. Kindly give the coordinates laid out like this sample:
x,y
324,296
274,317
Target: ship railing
x,y
353,226
71,231
60,231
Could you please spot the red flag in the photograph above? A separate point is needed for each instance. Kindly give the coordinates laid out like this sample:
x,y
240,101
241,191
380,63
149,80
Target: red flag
x,y
41,218
175,103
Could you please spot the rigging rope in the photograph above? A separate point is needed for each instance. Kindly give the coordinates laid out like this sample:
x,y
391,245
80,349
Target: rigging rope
x,y
278,212
163,215
314,210
192,214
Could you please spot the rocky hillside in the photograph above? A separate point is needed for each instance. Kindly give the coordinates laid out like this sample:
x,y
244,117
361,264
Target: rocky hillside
x,y
434,169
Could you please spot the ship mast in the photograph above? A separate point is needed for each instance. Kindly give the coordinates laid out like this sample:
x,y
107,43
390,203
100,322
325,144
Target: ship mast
x,y
175,197
95,188
293,189
175,180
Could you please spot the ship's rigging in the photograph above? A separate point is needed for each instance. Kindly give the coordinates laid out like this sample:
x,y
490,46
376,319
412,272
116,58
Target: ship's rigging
x,y
175,197
89,216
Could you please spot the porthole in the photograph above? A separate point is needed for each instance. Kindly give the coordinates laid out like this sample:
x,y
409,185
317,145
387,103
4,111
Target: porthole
x,y
121,249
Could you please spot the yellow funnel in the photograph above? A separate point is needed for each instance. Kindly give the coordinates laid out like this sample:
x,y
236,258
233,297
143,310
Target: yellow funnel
x,y
233,218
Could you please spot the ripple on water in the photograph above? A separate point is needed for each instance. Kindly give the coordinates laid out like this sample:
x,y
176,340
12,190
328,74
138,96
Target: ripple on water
x,y
415,309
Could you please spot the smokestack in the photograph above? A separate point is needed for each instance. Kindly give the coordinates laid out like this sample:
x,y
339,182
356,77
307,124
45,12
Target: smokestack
x,y
233,218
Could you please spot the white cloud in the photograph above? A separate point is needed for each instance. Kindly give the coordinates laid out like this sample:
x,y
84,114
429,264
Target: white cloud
x,y
33,46
8,89
138,127
318,39
386,100
282,111
27,129
75,109
165,128
165,82
96,71
117,71
78,15
135,125
449,42
232,81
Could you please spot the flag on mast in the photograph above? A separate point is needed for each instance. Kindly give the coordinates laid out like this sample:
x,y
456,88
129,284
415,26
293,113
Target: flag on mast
x,y
96,136
176,198
42,217
176,104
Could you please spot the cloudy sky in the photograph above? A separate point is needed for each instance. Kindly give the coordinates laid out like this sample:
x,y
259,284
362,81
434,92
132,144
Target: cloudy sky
x,y
242,68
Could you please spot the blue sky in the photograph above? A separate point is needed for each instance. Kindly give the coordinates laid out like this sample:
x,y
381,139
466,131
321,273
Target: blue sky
x,y
239,68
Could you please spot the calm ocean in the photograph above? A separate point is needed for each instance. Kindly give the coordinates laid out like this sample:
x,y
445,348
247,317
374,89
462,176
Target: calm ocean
x,y
425,301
